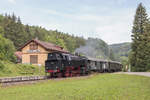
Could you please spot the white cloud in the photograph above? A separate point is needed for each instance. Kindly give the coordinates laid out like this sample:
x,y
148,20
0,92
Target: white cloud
x,y
78,16
114,33
120,1
117,28
54,12
52,26
112,28
12,1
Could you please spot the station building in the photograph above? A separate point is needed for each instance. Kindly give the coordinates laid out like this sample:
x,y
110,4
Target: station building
x,y
36,52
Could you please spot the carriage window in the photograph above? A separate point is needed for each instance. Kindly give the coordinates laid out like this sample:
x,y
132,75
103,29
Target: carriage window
x,y
33,46
95,63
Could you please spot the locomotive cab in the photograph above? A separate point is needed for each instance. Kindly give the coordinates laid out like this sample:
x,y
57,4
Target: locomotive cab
x,y
53,62
54,56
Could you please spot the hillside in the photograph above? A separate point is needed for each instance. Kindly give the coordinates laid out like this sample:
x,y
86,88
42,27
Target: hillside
x,y
95,48
98,48
121,49
13,29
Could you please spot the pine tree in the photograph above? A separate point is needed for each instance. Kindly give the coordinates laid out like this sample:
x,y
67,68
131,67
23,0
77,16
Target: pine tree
x,y
14,30
39,34
137,58
146,39
1,31
111,55
28,32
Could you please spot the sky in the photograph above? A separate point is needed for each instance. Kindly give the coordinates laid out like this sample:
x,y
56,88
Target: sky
x,y
109,20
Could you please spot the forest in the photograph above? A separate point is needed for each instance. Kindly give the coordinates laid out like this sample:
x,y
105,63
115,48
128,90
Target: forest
x,y
13,34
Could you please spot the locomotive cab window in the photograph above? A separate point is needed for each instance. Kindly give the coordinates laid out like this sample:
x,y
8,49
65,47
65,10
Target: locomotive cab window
x,y
58,56
50,55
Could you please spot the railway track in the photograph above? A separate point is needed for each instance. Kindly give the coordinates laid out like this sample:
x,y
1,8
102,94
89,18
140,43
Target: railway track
x,y
21,79
9,81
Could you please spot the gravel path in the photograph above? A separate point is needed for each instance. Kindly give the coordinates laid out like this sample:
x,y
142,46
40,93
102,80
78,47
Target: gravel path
x,y
136,73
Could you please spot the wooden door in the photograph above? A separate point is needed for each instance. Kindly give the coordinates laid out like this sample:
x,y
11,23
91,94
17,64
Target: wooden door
x,y
33,59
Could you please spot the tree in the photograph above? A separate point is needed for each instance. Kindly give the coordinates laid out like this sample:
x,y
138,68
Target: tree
x,y
7,49
1,31
28,32
57,41
14,30
38,34
125,63
137,60
70,44
146,39
111,55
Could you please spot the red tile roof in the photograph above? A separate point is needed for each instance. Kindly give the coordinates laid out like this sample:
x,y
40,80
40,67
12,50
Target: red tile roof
x,y
46,45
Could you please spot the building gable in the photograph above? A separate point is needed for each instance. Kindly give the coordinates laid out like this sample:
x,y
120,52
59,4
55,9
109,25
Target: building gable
x,y
28,48
47,46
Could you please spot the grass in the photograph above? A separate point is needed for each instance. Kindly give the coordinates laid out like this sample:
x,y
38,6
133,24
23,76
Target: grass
x,y
9,69
97,87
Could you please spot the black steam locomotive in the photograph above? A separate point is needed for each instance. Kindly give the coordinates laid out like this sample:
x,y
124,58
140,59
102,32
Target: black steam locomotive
x,y
67,65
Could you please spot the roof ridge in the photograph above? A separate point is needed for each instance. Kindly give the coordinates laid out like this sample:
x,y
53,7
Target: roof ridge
x,y
46,45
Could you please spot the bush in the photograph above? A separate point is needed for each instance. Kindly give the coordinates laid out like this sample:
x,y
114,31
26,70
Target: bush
x,y
7,49
10,69
1,66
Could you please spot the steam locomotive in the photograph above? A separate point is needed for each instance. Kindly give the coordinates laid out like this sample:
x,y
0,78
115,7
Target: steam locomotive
x,y
67,65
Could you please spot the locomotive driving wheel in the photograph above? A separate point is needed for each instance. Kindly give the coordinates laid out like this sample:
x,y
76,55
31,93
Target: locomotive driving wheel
x,y
59,75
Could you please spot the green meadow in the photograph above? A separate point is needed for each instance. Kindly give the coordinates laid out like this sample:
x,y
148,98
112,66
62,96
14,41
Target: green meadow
x,y
95,87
